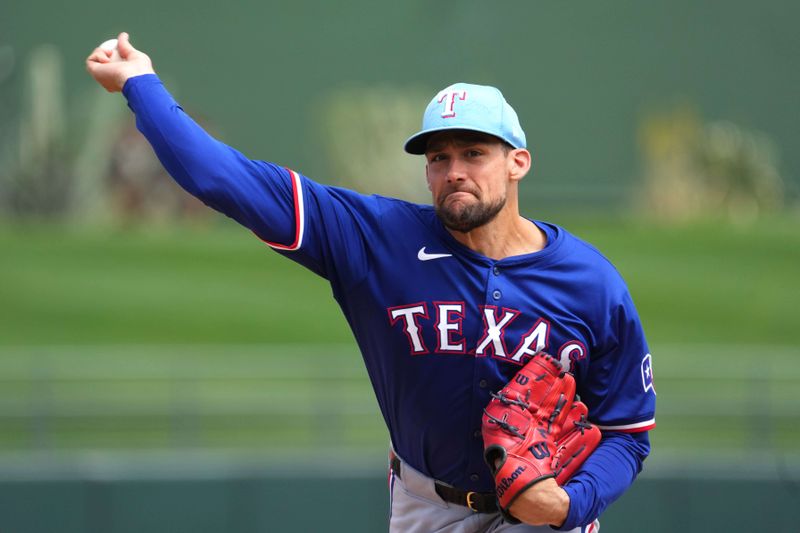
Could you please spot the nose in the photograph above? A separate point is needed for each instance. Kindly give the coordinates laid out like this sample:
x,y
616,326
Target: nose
x,y
455,171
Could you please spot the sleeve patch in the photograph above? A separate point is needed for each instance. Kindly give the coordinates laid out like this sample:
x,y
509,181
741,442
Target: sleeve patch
x,y
647,374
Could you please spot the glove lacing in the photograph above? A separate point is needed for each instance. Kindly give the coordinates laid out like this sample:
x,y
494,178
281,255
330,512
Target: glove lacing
x,y
510,401
514,430
582,424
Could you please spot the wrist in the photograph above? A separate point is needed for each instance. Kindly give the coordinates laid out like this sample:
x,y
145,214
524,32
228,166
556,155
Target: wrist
x,y
560,507
125,76
545,503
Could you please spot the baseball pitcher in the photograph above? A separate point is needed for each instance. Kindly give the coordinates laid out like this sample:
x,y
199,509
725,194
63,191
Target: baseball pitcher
x,y
506,355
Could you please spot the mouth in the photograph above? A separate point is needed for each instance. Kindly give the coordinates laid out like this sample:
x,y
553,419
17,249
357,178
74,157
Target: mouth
x,y
457,198
460,195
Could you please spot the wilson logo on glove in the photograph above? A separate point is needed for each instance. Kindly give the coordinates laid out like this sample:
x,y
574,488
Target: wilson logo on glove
x,y
506,482
539,450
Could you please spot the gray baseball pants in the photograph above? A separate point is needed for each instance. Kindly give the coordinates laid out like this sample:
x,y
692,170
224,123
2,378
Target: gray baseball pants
x,y
417,508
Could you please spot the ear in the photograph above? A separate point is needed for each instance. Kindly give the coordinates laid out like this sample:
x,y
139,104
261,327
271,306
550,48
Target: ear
x,y
427,177
519,163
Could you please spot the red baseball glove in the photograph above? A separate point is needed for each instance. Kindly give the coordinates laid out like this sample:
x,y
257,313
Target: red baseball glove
x,y
533,429
520,426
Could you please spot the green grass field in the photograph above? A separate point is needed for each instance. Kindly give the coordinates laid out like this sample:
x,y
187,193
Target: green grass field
x,y
204,338
702,283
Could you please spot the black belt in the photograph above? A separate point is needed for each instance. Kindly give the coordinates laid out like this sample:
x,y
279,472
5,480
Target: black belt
x,y
479,502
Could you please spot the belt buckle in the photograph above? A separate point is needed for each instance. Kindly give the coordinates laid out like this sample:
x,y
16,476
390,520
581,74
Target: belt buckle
x,y
470,494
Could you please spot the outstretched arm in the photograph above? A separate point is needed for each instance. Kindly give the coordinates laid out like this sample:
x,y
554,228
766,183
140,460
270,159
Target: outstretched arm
x,y
323,227
261,196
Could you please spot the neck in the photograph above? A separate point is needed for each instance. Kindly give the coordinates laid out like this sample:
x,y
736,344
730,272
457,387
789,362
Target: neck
x,y
508,234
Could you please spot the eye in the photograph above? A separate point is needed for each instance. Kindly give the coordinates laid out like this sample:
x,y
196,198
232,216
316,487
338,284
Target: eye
x,y
437,157
474,152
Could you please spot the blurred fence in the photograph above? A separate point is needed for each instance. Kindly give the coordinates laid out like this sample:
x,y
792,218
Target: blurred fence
x,y
227,398
267,398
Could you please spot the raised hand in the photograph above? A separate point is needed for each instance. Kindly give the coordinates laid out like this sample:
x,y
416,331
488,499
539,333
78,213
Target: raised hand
x,y
112,68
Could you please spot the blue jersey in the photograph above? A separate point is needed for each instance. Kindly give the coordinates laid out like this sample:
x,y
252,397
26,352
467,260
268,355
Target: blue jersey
x,y
440,326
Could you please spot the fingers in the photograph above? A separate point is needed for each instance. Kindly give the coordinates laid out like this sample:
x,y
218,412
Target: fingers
x,y
96,58
95,67
124,45
99,55
101,66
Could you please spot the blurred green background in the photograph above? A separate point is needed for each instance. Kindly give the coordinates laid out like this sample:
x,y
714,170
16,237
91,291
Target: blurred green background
x,y
162,370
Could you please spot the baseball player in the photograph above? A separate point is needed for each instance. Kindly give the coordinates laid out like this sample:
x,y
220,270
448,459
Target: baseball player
x,y
447,302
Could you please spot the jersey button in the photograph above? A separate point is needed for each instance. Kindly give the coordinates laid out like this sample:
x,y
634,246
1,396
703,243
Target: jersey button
x,y
483,383
496,294
496,271
477,434
474,477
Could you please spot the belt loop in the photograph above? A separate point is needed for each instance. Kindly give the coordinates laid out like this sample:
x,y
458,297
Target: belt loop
x,y
394,464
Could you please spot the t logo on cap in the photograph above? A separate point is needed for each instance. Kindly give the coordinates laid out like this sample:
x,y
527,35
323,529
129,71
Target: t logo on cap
x,y
449,99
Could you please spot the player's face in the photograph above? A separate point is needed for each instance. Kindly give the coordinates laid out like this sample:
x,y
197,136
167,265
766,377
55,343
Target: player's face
x,y
468,176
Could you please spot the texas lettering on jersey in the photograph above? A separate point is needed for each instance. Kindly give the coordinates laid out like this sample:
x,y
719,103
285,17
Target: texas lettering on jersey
x,y
447,319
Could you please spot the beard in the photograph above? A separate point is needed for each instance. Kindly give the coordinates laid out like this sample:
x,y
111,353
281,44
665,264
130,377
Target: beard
x,y
464,218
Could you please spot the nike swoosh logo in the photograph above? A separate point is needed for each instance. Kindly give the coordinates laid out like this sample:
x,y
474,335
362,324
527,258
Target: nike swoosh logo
x,y
424,256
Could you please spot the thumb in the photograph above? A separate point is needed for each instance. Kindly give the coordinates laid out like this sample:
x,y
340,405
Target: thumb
x,y
124,45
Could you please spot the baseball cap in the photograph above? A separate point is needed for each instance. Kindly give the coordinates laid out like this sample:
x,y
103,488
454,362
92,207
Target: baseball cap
x,y
464,106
